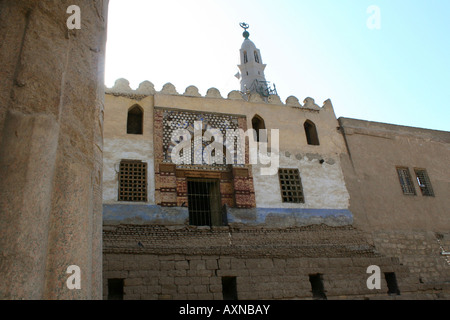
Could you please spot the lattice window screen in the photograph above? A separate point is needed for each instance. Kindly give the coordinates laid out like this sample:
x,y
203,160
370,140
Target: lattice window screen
x,y
291,186
133,181
174,119
405,181
424,182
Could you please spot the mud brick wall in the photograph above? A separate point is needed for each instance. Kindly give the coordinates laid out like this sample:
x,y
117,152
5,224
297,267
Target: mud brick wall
x,y
420,251
192,277
160,262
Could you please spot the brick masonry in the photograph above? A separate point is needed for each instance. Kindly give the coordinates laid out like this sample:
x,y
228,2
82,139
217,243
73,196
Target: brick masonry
x,y
236,184
188,262
420,251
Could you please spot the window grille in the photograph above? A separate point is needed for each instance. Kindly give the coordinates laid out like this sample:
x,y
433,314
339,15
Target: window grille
x,y
406,181
204,202
133,181
291,186
424,182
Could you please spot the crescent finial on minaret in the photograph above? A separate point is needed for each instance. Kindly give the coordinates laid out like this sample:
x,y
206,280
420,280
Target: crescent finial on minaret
x,y
245,26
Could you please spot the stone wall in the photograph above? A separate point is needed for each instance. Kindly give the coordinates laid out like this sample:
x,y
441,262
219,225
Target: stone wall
x,y
414,228
421,252
159,262
51,123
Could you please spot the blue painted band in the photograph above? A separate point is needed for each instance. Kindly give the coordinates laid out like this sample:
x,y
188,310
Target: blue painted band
x,y
258,216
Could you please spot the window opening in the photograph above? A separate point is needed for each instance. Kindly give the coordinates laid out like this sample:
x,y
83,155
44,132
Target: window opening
x,y
311,133
405,181
115,289
256,57
204,202
424,182
133,181
135,120
258,124
317,287
291,185
229,288
391,281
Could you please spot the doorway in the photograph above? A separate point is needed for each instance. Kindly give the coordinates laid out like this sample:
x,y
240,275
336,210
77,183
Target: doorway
x,y
204,202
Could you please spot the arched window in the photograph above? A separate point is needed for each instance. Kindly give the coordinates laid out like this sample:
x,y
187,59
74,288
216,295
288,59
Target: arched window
x,y
258,124
311,133
256,57
245,57
135,120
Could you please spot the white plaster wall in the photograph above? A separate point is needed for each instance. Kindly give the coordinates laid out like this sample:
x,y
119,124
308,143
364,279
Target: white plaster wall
x,y
118,145
116,150
323,184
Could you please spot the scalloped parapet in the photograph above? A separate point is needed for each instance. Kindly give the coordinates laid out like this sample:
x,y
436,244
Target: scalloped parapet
x,y
292,101
274,99
255,97
146,88
213,93
169,88
235,95
192,91
120,86
309,103
327,104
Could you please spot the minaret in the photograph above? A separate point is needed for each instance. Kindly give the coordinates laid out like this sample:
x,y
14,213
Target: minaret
x,y
252,68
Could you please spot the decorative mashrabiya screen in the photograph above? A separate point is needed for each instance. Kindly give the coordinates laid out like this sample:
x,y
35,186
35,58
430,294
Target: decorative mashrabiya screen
x,y
175,119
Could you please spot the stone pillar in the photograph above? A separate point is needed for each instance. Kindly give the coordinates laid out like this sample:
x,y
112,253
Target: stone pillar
x,y
51,123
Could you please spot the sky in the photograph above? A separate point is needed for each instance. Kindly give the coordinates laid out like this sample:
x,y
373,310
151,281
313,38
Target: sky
x,y
379,60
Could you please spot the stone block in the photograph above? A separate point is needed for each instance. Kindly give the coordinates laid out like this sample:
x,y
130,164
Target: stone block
x,y
166,280
200,288
167,265
182,265
176,273
205,296
211,264
215,288
224,263
197,265
182,281
168,289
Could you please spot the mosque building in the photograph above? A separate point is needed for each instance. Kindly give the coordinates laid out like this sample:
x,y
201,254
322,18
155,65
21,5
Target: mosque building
x,y
249,197
115,193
